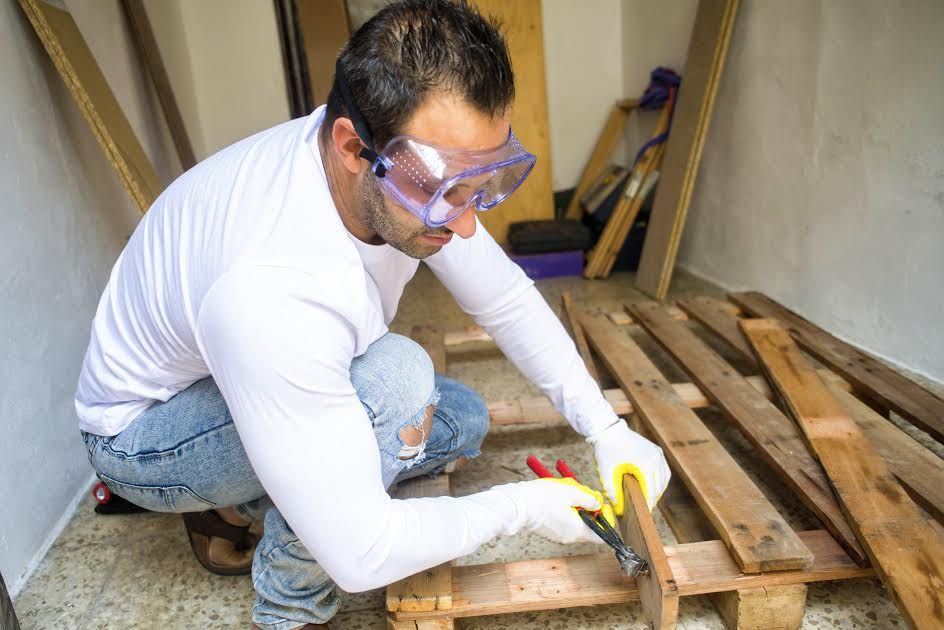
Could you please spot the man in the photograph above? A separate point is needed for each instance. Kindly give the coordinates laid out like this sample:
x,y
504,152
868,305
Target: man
x,y
240,363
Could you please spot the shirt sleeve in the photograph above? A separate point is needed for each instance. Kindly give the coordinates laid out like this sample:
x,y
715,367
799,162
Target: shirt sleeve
x,y
497,294
282,362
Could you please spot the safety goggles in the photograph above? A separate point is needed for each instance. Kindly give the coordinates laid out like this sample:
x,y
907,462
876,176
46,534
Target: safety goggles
x,y
439,184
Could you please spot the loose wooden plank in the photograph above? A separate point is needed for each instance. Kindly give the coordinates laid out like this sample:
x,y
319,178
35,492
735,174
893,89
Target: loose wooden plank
x,y
609,137
431,589
151,54
907,552
589,580
570,314
80,72
716,316
756,534
658,593
711,35
867,375
919,470
776,438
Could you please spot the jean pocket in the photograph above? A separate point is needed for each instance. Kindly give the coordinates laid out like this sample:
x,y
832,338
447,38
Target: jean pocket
x,y
159,498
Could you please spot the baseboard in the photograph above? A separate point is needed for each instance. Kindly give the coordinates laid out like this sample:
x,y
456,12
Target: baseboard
x,y
20,581
907,369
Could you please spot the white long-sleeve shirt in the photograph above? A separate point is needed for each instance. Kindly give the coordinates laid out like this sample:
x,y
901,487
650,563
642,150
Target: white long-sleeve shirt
x,y
242,270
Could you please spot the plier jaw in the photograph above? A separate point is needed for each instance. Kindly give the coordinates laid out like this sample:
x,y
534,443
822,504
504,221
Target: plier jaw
x,y
630,562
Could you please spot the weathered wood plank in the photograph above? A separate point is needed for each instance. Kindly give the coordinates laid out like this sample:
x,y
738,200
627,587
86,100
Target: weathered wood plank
x,y
920,471
431,589
756,534
867,374
716,316
906,550
8,620
658,593
776,438
551,583
580,340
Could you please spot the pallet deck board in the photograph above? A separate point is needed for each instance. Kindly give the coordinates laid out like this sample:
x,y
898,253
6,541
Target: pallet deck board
x,y
595,579
775,437
757,535
907,551
867,374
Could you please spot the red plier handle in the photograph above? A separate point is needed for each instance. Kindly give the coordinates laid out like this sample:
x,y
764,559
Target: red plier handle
x,y
541,470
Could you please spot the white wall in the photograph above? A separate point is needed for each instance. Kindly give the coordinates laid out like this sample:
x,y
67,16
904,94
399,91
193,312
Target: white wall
x,y
65,218
822,180
584,59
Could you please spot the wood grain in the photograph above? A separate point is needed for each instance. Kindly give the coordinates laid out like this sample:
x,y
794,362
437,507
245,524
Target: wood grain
x,y
580,339
868,376
757,535
906,550
522,26
711,35
776,438
716,316
602,151
430,589
658,593
920,471
552,583
80,72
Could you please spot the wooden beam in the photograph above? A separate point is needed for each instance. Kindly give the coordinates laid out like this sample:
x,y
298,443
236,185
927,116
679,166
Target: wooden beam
x,y
907,552
80,72
770,607
867,374
658,593
609,137
8,619
716,316
711,35
151,54
580,340
430,589
757,535
920,471
551,583
775,437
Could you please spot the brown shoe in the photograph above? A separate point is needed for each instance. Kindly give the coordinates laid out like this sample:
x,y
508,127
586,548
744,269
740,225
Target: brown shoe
x,y
202,526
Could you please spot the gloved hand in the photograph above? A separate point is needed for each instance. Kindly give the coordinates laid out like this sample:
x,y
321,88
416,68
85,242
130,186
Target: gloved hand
x,y
621,451
546,507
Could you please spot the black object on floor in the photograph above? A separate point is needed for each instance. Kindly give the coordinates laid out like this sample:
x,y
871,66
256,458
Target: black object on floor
x,y
117,505
538,237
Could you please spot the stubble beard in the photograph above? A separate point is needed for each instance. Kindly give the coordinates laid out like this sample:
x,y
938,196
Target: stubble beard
x,y
379,218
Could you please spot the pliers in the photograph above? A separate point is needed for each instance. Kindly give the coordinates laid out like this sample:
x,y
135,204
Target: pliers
x,y
630,562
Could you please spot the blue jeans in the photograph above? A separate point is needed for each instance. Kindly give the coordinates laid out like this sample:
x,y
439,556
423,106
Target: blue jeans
x,y
184,455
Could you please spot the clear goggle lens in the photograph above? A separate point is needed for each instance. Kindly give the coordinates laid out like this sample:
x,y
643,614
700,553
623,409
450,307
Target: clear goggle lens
x,y
437,184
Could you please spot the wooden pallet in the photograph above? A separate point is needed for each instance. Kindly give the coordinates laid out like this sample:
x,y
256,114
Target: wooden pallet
x,y
752,588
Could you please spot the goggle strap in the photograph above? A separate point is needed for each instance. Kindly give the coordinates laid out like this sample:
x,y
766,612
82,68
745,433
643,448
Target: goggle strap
x,y
377,164
360,125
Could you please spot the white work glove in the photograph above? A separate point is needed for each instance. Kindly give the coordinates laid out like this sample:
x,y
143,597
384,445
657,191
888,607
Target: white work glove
x,y
546,507
620,451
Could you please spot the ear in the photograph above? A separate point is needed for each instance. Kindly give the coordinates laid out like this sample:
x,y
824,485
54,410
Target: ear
x,y
347,145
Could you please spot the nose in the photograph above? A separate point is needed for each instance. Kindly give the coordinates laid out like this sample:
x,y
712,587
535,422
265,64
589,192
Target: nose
x,y
464,224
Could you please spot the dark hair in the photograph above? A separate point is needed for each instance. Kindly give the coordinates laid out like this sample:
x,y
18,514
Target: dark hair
x,y
413,47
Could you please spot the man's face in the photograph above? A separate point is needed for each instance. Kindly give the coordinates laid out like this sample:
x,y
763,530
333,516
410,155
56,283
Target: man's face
x,y
446,121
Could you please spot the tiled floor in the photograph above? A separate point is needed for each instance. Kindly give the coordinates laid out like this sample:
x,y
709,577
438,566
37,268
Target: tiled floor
x,y
137,571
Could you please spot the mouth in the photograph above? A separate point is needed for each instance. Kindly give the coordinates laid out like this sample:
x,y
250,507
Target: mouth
x,y
438,240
